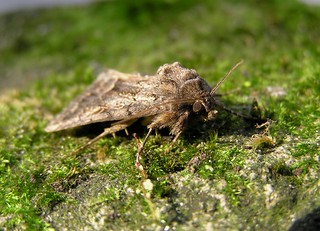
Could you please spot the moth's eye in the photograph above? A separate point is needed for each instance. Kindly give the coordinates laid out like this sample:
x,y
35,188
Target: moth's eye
x,y
212,114
197,106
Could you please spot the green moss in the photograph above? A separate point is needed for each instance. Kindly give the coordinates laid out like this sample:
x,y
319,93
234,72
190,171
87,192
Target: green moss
x,y
215,175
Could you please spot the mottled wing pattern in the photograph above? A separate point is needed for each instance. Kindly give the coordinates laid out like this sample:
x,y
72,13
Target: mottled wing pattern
x,y
114,96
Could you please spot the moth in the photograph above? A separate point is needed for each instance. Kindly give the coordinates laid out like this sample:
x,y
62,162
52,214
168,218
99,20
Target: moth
x,y
173,98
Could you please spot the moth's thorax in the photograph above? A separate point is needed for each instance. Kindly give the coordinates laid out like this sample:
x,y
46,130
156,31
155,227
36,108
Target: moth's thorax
x,y
177,72
188,82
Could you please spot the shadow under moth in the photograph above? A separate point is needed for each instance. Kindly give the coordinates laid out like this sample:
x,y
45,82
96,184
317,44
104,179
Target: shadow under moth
x,y
173,98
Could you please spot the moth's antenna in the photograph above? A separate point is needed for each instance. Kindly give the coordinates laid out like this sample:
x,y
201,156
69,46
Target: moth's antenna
x,y
225,77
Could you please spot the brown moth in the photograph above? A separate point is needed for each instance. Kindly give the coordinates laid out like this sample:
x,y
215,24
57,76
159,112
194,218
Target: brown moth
x,y
172,98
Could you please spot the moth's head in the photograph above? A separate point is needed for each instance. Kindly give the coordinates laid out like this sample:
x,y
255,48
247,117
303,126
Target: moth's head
x,y
207,108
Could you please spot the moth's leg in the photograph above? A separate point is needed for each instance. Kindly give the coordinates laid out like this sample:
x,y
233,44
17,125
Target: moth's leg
x,y
175,121
163,120
177,128
140,148
113,129
173,142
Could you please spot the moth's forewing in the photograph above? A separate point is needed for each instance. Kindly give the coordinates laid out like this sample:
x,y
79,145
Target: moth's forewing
x,y
79,110
113,96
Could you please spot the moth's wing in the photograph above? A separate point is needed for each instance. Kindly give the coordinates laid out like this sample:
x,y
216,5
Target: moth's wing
x,y
113,96
75,114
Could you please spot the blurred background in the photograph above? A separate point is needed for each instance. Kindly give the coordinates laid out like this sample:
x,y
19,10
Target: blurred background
x,y
15,5
42,37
